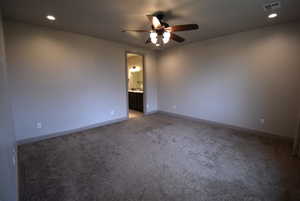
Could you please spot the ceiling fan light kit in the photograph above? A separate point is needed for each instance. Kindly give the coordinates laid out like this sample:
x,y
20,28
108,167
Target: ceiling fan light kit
x,y
166,37
153,37
161,32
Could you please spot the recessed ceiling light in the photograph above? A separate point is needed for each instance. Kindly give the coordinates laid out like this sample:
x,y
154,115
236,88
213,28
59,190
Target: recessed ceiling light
x,y
50,17
273,15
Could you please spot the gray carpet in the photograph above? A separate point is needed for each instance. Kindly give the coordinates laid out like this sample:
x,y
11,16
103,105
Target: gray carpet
x,y
158,158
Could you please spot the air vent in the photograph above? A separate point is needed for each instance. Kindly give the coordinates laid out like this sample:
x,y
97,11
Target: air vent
x,y
274,5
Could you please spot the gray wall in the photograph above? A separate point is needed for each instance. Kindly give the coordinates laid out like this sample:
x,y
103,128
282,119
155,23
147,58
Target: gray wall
x,y
8,187
236,79
67,81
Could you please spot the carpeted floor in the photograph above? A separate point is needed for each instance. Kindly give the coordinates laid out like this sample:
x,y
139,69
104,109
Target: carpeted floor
x,y
158,158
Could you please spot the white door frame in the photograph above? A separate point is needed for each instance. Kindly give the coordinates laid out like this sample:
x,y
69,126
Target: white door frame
x,y
144,81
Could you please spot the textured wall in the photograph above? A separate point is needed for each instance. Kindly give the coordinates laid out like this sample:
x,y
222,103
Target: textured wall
x,y
8,171
67,81
236,79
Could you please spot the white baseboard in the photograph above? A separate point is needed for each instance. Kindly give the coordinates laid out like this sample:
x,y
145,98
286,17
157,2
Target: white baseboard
x,y
48,136
247,130
52,135
234,127
151,112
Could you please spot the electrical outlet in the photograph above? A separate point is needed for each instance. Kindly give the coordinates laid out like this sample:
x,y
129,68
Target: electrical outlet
x,y
262,121
174,107
39,125
112,112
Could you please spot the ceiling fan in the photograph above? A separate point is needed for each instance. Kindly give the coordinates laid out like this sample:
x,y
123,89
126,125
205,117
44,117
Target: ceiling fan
x,y
161,32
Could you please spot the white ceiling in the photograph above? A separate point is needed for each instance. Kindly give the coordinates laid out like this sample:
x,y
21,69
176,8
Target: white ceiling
x,y
106,18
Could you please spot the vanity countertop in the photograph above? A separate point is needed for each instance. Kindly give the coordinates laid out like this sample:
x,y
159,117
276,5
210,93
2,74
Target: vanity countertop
x,y
136,91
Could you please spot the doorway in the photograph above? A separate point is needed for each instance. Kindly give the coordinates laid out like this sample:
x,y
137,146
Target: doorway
x,y
135,74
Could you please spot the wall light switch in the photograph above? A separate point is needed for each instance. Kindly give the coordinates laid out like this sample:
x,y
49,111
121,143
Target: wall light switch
x,y
262,121
174,107
14,156
112,112
39,125
14,160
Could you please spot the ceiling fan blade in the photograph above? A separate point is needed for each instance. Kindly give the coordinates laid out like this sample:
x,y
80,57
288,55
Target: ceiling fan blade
x,y
148,40
150,18
177,38
154,21
184,27
135,30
